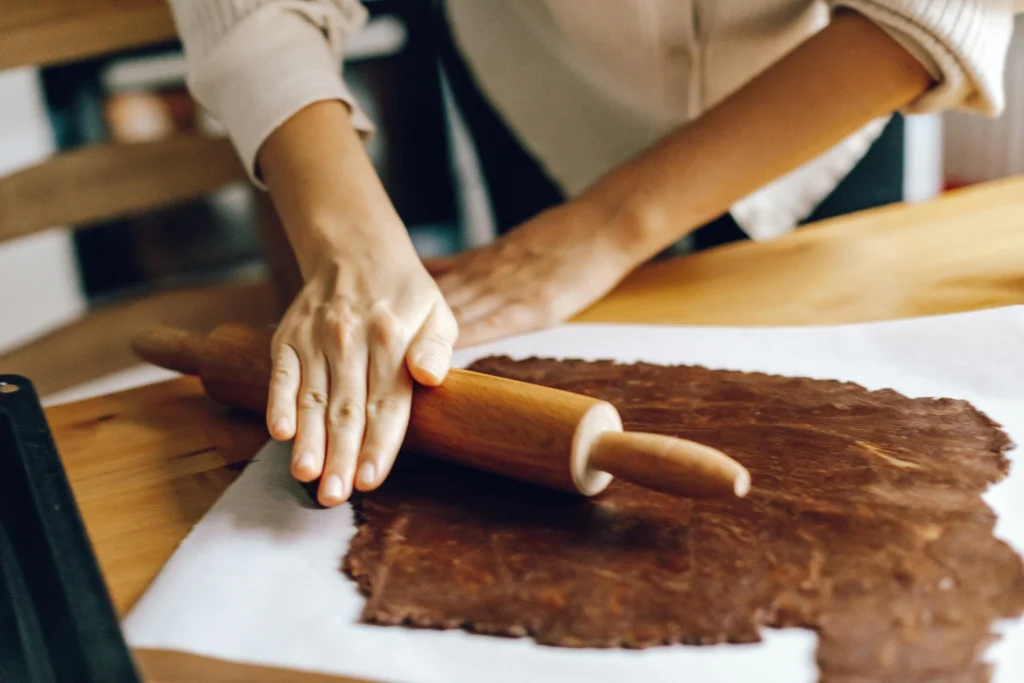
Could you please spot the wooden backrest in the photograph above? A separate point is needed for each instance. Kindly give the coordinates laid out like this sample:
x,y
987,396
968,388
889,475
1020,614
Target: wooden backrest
x,y
103,181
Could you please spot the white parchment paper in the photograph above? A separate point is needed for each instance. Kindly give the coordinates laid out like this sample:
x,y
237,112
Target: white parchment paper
x,y
258,579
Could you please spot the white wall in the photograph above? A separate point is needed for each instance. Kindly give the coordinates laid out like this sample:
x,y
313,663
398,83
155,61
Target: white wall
x,y
980,148
39,285
923,159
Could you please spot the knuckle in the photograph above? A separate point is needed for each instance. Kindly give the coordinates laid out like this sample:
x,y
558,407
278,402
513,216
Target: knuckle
x,y
499,319
312,400
281,375
344,412
538,305
303,305
341,333
385,329
282,355
538,297
282,336
383,407
545,310
340,323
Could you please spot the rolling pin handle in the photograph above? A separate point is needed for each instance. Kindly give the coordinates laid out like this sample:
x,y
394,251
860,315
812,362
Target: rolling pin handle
x,y
670,465
171,348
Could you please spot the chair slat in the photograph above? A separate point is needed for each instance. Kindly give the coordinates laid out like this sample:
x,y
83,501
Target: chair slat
x,y
47,32
98,343
100,182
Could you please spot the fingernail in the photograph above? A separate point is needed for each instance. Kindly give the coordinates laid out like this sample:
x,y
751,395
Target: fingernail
x,y
367,474
334,488
432,364
282,426
307,463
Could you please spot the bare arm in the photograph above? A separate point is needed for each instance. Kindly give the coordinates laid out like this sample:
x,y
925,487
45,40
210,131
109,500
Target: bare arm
x,y
326,190
558,263
848,74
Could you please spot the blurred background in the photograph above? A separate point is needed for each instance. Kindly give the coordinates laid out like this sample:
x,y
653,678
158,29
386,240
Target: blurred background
x,y
52,278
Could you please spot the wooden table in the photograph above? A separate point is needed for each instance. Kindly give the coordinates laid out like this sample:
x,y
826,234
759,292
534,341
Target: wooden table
x,y
146,464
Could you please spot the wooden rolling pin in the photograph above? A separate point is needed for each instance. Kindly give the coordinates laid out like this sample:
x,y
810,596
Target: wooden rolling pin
x,y
532,433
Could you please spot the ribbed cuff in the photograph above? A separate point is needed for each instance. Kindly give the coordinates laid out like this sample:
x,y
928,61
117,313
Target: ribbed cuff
x,y
966,42
271,65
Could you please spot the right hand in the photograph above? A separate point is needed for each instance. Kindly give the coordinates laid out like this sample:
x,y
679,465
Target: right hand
x,y
369,320
363,329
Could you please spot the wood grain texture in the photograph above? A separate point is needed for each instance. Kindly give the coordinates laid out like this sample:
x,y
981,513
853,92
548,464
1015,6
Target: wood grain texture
x,y
47,32
140,494
168,666
960,252
678,467
98,343
103,181
513,429
145,469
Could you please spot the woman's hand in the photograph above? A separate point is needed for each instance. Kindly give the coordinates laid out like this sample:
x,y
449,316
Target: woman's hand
x,y
344,360
539,274
369,320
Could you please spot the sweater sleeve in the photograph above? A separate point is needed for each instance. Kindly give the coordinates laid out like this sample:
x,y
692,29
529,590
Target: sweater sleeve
x,y
252,64
962,42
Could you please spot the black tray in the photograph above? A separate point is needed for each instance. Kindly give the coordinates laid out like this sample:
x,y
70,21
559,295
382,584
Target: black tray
x,y
57,622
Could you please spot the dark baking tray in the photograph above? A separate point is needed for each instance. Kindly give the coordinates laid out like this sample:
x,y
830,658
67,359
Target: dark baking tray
x,y
57,622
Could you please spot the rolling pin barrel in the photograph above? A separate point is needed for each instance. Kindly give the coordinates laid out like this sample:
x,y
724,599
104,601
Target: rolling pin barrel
x,y
515,429
532,433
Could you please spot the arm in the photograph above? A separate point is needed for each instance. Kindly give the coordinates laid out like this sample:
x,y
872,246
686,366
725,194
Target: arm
x,y
326,190
254,63
369,320
848,74
556,264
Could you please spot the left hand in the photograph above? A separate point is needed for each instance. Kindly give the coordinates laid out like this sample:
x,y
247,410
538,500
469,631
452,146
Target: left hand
x,y
539,274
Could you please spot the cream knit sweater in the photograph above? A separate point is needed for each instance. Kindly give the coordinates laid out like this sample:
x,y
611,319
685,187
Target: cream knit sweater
x,y
586,84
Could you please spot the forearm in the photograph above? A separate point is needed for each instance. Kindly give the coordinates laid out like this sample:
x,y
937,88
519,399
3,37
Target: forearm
x,y
832,85
325,188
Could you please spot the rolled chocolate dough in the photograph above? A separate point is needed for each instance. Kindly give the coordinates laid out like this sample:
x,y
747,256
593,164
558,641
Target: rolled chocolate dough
x,y
865,523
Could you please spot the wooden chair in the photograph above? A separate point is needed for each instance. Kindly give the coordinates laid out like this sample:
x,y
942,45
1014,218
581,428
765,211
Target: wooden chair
x,y
111,180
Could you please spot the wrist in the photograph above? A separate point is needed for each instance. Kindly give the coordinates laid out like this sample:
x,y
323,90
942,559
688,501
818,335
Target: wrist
x,y
634,223
349,238
327,193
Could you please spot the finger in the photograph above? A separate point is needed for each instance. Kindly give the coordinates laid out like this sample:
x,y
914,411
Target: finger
x,y
458,288
284,388
505,322
346,413
483,305
430,354
388,401
310,436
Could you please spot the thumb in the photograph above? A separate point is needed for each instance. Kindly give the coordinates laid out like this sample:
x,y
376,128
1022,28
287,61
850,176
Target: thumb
x,y
430,354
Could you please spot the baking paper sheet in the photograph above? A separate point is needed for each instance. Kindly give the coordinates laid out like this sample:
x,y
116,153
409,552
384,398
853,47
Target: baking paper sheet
x,y
259,579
